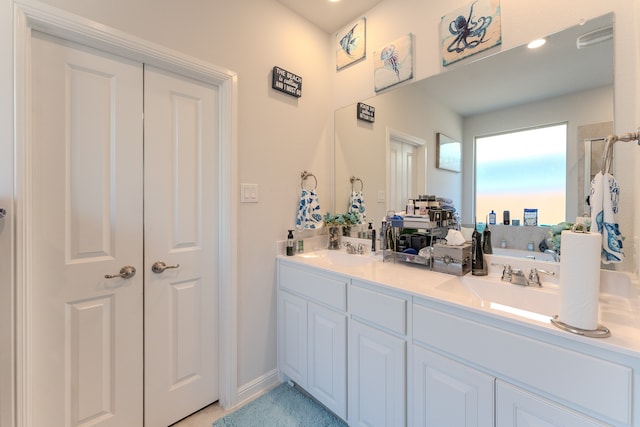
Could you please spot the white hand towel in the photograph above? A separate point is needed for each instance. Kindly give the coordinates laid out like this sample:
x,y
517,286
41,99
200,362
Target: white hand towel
x,y
604,206
356,205
309,216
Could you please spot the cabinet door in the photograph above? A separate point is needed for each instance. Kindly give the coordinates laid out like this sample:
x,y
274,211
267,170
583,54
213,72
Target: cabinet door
x,y
448,393
327,375
518,408
293,338
377,392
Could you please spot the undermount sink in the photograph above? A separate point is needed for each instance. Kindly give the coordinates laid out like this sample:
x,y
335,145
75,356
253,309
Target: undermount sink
x,y
339,257
527,301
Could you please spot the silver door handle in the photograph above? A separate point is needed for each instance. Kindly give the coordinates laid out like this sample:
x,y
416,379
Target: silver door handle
x,y
160,266
126,272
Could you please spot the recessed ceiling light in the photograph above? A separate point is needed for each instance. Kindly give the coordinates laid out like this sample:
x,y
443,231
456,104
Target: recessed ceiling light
x,y
334,1
536,43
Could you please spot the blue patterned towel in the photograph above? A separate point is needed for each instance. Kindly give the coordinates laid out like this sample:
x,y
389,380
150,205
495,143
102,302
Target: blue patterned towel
x,y
356,204
604,206
309,215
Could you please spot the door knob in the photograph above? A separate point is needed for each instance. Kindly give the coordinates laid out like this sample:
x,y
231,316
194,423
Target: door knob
x,y
160,266
126,272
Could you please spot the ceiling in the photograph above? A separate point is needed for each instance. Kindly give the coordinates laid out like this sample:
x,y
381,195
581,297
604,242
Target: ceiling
x,y
330,16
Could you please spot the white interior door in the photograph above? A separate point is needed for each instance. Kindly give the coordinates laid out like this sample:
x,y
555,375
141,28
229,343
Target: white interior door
x,y
181,140
402,173
84,334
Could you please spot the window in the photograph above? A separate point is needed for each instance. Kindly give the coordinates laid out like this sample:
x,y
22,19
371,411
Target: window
x,y
523,169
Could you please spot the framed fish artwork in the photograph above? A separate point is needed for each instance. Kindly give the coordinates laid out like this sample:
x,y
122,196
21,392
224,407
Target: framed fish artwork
x,y
470,30
351,43
393,63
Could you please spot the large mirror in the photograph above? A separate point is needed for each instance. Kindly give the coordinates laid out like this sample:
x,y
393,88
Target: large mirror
x,y
395,156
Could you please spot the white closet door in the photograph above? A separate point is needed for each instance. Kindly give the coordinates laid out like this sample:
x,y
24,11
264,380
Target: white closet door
x,y
402,173
84,336
181,303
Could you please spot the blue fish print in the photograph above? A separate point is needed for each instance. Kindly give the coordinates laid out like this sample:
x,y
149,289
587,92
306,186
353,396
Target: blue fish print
x,y
348,43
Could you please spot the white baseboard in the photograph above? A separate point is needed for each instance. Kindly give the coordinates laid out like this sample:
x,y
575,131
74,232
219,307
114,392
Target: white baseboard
x,y
258,386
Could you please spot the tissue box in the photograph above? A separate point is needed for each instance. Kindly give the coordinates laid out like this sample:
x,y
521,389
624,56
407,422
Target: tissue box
x,y
452,259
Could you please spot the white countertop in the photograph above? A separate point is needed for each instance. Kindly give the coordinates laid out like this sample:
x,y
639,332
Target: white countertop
x,y
619,299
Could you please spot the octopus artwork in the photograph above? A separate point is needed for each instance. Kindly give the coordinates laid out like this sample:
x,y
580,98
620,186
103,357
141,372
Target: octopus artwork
x,y
469,32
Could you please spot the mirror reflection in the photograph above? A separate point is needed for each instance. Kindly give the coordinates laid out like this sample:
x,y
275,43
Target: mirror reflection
x,y
396,157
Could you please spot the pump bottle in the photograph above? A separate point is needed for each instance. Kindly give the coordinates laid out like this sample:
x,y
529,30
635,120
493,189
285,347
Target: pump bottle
x,y
290,244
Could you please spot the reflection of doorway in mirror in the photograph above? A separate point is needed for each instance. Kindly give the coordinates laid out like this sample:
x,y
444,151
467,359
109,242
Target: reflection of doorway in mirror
x,y
406,171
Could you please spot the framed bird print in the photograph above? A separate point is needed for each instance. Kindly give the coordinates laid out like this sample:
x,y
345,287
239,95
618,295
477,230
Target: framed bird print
x,y
351,43
470,30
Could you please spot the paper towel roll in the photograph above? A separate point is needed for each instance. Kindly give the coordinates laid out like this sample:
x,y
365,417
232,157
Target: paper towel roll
x,y
580,279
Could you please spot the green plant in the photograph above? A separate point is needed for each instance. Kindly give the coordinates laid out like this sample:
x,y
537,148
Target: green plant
x,y
341,220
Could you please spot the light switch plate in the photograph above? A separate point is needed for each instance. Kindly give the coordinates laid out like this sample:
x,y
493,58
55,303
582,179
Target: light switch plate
x,y
381,196
249,193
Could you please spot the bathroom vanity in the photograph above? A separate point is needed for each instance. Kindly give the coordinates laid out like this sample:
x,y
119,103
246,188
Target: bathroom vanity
x,y
392,344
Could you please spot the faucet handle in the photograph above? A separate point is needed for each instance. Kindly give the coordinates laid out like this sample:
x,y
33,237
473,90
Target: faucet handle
x,y
507,272
534,278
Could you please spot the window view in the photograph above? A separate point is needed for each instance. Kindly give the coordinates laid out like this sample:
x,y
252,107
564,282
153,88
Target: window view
x,y
522,170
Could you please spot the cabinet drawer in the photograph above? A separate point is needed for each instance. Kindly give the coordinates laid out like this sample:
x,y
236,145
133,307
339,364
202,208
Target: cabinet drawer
x,y
592,384
327,289
387,311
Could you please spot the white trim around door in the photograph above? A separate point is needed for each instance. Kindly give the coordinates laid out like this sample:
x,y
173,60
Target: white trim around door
x,y
33,15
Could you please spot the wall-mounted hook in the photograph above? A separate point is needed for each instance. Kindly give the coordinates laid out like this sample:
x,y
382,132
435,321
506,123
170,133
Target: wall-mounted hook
x,y
3,212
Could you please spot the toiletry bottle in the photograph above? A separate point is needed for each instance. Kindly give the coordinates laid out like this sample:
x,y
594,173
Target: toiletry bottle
x,y
290,244
492,218
486,241
506,218
373,237
411,208
299,242
383,235
478,267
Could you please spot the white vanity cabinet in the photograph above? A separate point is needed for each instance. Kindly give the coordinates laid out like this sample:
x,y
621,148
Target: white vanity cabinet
x,y
448,393
556,385
312,333
518,408
377,356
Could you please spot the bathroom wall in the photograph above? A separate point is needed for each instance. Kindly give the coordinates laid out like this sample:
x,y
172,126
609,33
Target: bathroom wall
x,y
521,22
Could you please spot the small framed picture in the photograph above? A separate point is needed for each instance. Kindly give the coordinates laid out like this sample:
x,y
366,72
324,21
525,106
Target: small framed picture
x,y
351,43
448,153
469,30
393,63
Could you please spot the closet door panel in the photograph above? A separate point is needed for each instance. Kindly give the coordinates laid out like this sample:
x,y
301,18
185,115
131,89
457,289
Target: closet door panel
x,y
181,302
84,341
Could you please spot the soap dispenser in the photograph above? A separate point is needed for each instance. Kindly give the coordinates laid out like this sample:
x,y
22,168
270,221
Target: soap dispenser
x,y
478,266
290,242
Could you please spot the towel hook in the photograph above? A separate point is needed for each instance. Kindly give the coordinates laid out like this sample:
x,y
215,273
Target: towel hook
x,y
353,179
304,175
3,212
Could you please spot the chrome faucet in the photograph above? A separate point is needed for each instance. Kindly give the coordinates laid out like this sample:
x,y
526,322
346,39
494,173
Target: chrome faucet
x,y
554,254
516,276
534,278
